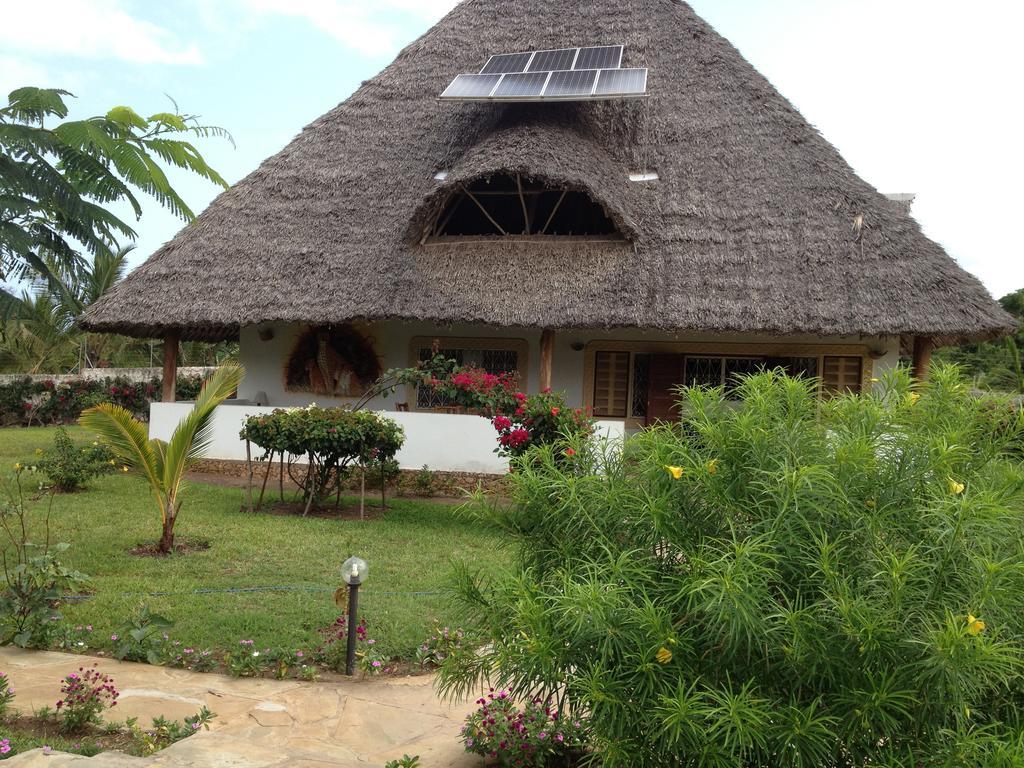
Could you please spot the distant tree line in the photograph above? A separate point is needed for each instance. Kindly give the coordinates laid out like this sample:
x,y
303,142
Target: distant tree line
x,y
995,365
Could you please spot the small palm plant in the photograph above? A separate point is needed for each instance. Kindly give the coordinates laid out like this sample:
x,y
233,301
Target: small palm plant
x,y
164,464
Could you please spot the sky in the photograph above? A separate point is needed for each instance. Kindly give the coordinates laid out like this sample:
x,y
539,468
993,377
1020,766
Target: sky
x,y
920,96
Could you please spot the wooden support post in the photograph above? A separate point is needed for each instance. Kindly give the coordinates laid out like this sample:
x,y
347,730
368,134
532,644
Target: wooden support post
x,y
547,349
170,366
923,346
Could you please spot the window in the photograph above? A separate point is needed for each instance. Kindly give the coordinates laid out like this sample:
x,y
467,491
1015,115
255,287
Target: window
x,y
641,384
506,205
611,384
842,375
491,359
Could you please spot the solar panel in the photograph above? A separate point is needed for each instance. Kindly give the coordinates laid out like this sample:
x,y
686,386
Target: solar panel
x,y
574,83
521,85
603,57
471,87
559,74
546,61
506,62
621,82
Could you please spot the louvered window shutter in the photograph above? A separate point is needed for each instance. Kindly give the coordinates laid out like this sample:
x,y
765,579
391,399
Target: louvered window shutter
x,y
611,384
842,375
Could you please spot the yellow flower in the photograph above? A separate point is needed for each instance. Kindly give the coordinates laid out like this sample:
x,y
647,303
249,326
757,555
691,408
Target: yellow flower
x,y
664,655
974,626
124,469
18,467
112,462
912,398
676,472
94,442
712,467
954,487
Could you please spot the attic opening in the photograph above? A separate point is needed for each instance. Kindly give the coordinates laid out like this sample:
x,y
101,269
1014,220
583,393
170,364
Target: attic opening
x,y
511,205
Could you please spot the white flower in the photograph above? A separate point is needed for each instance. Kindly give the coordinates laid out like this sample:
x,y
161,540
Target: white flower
x,y
255,654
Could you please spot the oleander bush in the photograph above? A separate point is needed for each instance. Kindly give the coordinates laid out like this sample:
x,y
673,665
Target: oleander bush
x,y
775,581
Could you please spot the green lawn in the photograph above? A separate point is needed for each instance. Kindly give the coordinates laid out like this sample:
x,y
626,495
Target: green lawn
x,y
410,550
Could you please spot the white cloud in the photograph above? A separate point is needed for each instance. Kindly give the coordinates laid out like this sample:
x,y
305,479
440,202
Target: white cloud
x,y
95,29
372,28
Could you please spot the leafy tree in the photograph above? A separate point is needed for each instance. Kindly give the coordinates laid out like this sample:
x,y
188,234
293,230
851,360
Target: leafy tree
x,y
57,182
995,364
164,464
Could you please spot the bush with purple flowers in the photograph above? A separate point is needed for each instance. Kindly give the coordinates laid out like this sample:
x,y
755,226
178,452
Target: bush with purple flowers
x,y
535,736
443,643
84,697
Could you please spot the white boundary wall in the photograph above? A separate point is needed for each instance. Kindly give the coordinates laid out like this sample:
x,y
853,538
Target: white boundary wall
x,y
443,442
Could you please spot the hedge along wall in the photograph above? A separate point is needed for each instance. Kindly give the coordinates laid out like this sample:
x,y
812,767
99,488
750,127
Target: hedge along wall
x,y
99,374
45,401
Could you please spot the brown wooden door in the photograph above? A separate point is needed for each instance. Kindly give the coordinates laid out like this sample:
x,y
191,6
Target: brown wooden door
x,y
666,373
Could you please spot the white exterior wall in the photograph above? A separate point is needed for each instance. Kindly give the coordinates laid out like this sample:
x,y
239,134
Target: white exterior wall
x,y
449,443
264,361
444,442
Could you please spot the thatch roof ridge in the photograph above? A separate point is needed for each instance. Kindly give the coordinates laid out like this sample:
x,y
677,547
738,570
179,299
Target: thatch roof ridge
x,y
757,224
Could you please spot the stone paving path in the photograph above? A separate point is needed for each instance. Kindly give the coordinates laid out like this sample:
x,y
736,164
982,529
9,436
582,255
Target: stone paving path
x,y
260,723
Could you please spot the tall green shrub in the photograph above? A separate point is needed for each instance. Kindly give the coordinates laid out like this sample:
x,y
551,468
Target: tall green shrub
x,y
775,582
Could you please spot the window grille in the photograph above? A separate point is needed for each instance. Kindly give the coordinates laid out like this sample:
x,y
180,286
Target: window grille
x,y
494,361
641,383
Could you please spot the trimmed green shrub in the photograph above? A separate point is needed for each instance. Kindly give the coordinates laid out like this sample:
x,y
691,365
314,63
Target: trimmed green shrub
x,y
69,467
331,439
778,581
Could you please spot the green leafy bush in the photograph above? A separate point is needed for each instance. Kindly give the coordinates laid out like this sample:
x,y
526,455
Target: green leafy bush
x,y
69,467
777,581
34,578
143,637
331,439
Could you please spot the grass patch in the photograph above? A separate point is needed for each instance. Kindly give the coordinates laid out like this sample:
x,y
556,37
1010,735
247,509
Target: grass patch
x,y
410,550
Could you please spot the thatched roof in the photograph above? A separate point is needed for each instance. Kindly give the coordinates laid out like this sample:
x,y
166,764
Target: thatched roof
x,y
751,227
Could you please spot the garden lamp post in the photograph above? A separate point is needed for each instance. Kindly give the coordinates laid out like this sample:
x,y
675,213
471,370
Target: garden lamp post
x,y
353,571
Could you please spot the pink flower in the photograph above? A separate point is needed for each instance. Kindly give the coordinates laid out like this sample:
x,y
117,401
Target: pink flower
x,y
554,411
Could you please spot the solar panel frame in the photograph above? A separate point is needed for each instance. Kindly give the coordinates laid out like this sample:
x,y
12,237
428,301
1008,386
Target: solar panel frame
x,y
521,85
599,57
621,83
571,85
471,87
528,76
553,60
507,63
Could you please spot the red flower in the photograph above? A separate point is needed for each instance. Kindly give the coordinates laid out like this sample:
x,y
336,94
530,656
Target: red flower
x,y
570,452
502,423
554,411
518,438
520,397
